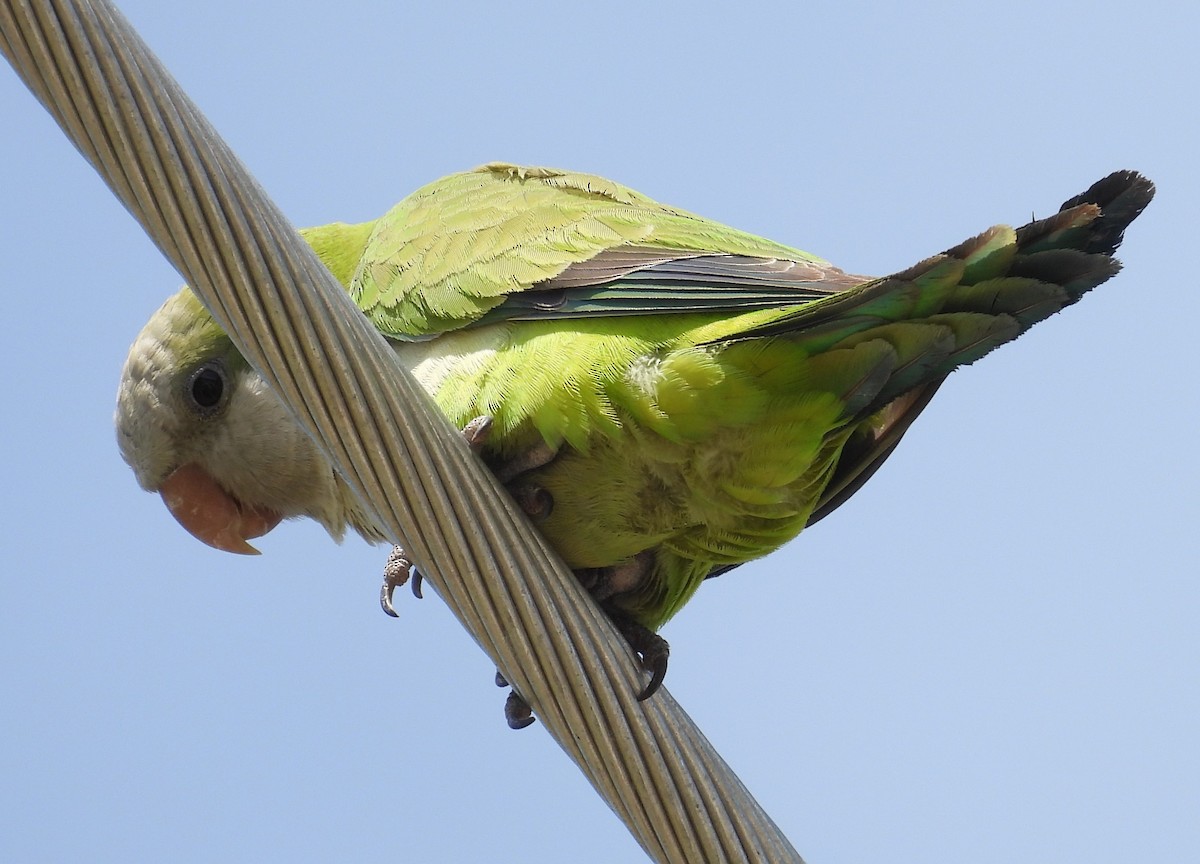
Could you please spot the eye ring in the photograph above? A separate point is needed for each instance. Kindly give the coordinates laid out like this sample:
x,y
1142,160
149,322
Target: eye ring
x,y
207,388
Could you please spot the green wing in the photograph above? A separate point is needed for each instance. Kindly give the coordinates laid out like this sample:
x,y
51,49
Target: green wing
x,y
510,243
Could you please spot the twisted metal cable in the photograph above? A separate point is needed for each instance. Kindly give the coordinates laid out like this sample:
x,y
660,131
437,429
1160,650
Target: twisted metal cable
x,y
298,328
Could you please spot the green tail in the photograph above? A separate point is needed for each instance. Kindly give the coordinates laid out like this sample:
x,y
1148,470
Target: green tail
x,y
952,309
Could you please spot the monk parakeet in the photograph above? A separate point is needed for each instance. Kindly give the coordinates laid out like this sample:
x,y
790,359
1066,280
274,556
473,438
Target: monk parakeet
x,y
668,397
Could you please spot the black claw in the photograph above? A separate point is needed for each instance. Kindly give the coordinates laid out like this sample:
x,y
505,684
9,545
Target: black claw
x,y
652,650
656,665
501,681
476,432
517,711
417,581
385,599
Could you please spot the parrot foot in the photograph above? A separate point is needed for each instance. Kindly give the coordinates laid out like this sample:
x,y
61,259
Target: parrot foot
x,y
534,501
606,585
653,651
517,711
477,432
396,572
514,466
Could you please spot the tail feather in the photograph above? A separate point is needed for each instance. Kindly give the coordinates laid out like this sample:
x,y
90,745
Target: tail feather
x,y
1121,197
1020,277
988,291
1076,271
950,310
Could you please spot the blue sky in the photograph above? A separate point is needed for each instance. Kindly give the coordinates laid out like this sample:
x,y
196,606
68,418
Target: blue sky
x,y
989,654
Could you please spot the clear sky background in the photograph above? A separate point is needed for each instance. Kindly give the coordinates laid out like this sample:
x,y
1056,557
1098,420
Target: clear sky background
x,y
989,655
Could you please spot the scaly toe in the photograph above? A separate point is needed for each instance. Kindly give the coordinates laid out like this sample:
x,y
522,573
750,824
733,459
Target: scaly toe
x,y
395,573
517,711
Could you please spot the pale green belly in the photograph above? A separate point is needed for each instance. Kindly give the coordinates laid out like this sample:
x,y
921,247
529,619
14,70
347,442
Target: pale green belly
x,y
689,454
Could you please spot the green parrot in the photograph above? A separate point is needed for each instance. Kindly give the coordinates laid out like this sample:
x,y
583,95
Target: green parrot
x,y
667,397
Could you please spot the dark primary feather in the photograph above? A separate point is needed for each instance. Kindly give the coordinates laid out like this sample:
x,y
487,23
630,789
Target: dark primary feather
x,y
646,281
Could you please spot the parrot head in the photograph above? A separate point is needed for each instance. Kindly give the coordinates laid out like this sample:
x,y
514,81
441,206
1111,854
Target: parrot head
x,y
199,426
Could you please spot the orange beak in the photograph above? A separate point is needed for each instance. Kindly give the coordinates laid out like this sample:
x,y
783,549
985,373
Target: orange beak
x,y
212,515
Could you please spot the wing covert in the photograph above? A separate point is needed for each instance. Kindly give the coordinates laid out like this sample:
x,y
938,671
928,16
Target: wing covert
x,y
463,246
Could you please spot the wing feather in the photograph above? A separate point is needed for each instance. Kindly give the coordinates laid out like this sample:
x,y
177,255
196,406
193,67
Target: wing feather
x,y
510,243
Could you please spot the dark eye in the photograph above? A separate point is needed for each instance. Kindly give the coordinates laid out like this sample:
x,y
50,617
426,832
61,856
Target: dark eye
x,y
206,387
